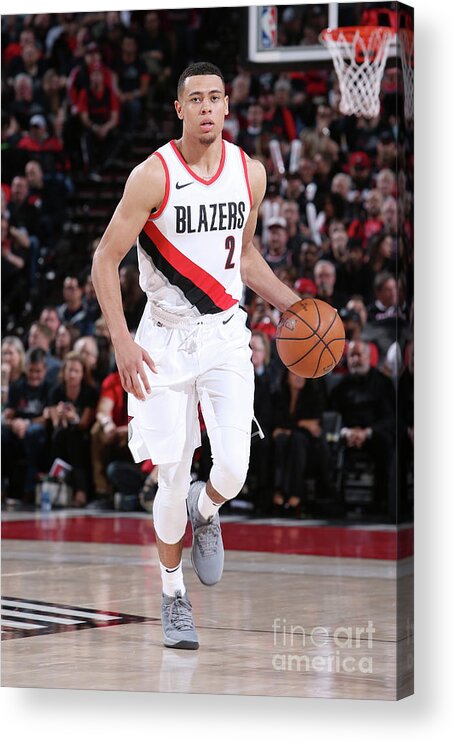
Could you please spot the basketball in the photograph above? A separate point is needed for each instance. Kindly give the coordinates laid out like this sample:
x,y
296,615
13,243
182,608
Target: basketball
x,y
310,338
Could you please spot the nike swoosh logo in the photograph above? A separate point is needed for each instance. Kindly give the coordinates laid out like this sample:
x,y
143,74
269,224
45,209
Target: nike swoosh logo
x,y
225,321
183,185
171,570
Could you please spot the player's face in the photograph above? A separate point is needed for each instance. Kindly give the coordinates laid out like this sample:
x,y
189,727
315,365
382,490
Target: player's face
x,y
203,106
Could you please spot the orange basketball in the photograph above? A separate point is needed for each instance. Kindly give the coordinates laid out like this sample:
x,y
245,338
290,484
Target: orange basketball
x,y
310,338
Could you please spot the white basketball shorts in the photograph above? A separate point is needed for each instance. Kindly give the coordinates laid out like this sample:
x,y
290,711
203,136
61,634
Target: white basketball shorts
x,y
206,360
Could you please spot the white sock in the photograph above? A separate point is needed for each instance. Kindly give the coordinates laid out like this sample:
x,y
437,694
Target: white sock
x,y
172,579
206,506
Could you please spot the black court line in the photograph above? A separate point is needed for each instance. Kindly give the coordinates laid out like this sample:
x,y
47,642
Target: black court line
x,y
40,614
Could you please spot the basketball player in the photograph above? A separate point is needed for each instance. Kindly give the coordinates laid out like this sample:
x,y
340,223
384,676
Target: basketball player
x,y
192,206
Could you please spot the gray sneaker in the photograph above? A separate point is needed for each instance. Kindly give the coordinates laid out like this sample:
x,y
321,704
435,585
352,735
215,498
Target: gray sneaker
x,y
207,554
177,622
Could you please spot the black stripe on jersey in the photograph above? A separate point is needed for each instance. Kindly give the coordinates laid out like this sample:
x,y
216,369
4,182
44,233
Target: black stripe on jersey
x,y
195,295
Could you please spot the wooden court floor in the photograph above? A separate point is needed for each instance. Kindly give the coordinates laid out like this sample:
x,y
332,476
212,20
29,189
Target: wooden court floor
x,y
85,615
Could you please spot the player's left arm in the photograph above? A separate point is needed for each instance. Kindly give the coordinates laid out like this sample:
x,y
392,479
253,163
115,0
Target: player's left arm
x,y
256,274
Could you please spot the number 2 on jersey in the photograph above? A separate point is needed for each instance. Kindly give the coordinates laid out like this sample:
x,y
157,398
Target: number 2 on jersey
x,y
230,245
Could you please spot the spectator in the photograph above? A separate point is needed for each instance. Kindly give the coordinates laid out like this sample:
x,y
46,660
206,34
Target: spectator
x,y
338,245
386,183
72,412
263,317
25,101
87,348
281,120
239,99
109,434
354,330
53,98
259,472
46,148
13,363
23,213
133,298
79,78
40,336
111,37
307,170
298,408
385,307
354,275
24,427
156,52
251,137
381,251
24,217
15,256
325,278
132,79
65,337
357,304
90,301
73,309
386,150
99,114
287,275
385,317
13,51
30,62
290,211
276,253
49,316
49,198
359,169
389,216
370,222
365,398
310,253
342,184
306,288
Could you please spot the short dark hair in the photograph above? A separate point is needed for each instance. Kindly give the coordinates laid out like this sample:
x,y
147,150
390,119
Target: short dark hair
x,y
198,68
76,277
36,355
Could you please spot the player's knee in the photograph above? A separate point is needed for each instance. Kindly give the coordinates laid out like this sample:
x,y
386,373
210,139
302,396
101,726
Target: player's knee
x,y
173,481
229,472
169,518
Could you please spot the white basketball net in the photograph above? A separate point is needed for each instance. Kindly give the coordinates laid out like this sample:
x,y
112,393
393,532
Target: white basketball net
x,y
360,80
406,47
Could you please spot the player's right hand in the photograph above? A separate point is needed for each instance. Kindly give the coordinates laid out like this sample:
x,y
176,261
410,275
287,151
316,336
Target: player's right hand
x,y
130,360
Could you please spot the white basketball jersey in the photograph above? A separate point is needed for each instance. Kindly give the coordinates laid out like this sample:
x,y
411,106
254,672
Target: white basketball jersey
x,y
189,250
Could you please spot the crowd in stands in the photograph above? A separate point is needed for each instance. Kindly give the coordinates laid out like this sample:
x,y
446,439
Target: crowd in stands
x,y
336,225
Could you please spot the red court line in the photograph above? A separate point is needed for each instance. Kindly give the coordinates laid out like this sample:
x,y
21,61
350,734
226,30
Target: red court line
x,y
334,541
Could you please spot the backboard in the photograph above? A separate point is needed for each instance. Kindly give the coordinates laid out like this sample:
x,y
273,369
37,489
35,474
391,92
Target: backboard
x,y
288,35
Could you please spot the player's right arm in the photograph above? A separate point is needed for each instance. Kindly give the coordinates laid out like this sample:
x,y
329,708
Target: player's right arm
x,y
144,192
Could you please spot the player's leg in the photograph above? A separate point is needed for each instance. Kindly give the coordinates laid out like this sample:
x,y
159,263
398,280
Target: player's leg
x,y
170,518
226,395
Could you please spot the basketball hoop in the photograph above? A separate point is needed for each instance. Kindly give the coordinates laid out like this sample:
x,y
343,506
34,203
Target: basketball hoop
x,y
406,47
359,55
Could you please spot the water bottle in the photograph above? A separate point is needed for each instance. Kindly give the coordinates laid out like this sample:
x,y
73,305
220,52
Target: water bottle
x,y
45,502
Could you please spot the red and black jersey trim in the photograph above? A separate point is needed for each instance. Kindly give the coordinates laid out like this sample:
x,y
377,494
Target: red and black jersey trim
x,y
200,288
